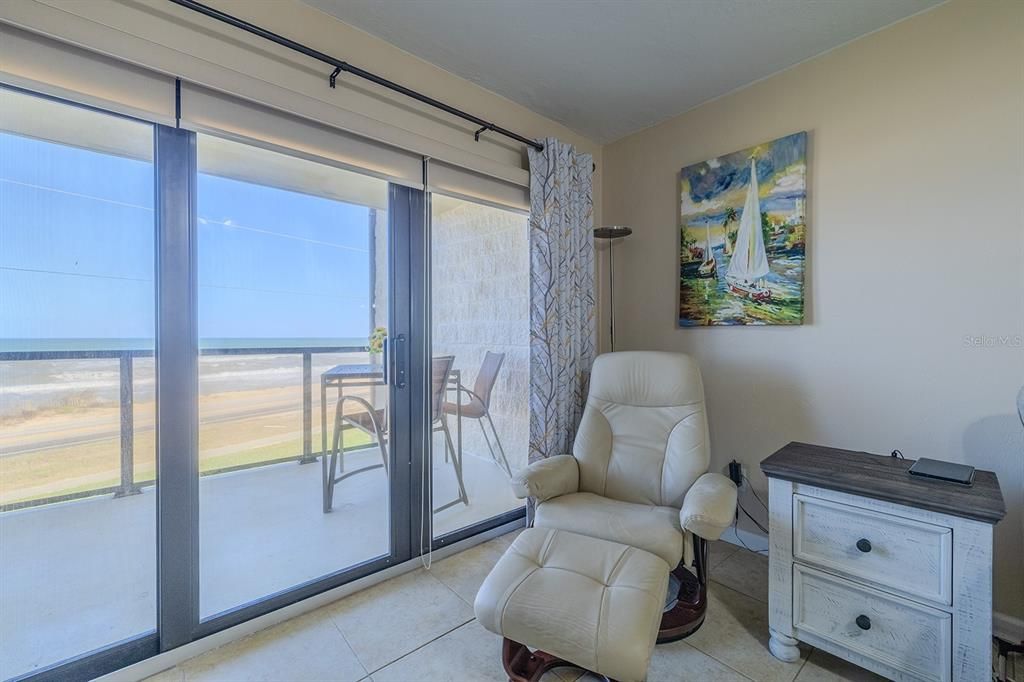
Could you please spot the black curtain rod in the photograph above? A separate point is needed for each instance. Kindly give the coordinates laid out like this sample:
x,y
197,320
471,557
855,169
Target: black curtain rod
x,y
340,66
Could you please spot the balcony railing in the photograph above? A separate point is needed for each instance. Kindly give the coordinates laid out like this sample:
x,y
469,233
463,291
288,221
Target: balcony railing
x,y
128,485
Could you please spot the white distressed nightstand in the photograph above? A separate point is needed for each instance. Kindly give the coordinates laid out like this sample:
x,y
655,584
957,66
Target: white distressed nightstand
x,y
888,571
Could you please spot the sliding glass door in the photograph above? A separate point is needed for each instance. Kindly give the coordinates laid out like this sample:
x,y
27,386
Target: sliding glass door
x,y
77,468
292,317
480,339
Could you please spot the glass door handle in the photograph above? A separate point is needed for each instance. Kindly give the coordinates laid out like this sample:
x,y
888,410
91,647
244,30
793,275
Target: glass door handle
x,y
386,357
399,358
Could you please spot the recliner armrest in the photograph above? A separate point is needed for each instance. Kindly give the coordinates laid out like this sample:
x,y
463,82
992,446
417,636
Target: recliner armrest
x,y
709,506
547,478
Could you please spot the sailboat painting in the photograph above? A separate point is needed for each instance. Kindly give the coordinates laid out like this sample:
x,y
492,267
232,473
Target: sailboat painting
x,y
742,236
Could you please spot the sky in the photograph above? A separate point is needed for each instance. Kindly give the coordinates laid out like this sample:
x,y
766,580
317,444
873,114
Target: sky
x,y
77,252
710,187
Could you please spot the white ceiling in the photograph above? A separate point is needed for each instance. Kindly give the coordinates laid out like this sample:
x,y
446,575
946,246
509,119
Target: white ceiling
x,y
607,68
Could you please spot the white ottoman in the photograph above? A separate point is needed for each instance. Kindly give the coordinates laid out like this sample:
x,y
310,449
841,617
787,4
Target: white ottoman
x,y
577,600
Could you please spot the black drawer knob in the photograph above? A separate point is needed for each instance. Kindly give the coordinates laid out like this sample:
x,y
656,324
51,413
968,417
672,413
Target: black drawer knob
x,y
863,622
864,545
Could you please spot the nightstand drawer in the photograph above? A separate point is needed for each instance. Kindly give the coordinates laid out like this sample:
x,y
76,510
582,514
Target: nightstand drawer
x,y
910,556
903,635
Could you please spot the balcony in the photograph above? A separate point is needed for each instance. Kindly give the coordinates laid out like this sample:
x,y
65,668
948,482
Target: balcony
x,y
78,494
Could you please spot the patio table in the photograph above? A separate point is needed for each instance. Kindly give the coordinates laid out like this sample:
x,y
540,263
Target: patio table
x,y
345,376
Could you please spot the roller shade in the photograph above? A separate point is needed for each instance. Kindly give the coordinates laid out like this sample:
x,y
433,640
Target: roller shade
x,y
466,184
49,66
254,164
40,64
42,118
208,111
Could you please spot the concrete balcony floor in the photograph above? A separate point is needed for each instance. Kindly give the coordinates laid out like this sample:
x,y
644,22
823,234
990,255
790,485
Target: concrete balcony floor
x,y
80,575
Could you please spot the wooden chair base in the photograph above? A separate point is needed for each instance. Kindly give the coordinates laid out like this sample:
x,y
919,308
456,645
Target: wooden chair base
x,y
523,665
686,617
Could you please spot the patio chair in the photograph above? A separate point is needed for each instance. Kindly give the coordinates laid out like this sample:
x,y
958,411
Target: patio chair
x,y
374,421
479,405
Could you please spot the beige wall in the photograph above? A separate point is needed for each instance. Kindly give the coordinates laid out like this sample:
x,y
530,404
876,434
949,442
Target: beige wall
x,y
915,245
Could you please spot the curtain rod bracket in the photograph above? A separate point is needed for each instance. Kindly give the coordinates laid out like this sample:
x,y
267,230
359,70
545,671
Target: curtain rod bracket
x,y
177,102
476,135
334,76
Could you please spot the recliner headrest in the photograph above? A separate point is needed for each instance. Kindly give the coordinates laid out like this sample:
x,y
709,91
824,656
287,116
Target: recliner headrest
x,y
646,379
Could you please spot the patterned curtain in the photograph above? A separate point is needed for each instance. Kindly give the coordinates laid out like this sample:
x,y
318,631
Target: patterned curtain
x,y
1020,404
562,327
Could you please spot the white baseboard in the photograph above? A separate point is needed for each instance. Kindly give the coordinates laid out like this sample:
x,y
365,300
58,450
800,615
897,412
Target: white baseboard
x,y
754,541
169,659
1004,626
1007,627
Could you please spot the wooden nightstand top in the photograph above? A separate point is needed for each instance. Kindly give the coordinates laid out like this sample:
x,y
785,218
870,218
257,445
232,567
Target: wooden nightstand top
x,y
885,478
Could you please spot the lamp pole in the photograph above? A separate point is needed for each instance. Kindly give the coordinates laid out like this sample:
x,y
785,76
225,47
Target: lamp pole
x,y
611,233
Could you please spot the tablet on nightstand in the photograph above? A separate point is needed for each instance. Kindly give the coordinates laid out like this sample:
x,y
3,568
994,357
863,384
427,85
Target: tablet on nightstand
x,y
943,471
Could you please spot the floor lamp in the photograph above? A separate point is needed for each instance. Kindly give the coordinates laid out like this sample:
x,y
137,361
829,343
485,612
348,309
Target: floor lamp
x,y
612,233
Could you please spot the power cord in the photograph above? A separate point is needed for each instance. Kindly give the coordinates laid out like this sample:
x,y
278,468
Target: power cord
x,y
736,532
754,493
739,505
745,485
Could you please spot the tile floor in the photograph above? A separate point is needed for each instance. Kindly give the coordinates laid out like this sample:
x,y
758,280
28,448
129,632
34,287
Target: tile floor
x,y
420,626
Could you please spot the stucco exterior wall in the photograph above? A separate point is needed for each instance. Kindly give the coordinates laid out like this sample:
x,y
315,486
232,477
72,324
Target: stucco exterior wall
x,y
481,302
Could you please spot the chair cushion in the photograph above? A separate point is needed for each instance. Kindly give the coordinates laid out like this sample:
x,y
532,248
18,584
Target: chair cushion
x,y
647,527
594,603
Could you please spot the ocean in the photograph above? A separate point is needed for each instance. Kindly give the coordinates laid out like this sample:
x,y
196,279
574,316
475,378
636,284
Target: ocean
x,y
15,345
28,385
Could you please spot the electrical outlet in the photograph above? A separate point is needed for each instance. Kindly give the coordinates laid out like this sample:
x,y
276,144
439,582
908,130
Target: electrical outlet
x,y
736,473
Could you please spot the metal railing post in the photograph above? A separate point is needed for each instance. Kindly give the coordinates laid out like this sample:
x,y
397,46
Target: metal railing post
x,y
307,409
127,486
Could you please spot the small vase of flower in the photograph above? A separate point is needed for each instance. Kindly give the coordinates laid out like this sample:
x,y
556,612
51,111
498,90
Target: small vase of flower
x,y
375,344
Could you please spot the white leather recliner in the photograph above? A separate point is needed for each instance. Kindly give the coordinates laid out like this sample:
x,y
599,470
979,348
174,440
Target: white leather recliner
x,y
638,471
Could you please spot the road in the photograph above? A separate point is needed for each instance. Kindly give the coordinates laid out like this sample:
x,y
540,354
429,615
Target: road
x,y
62,430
